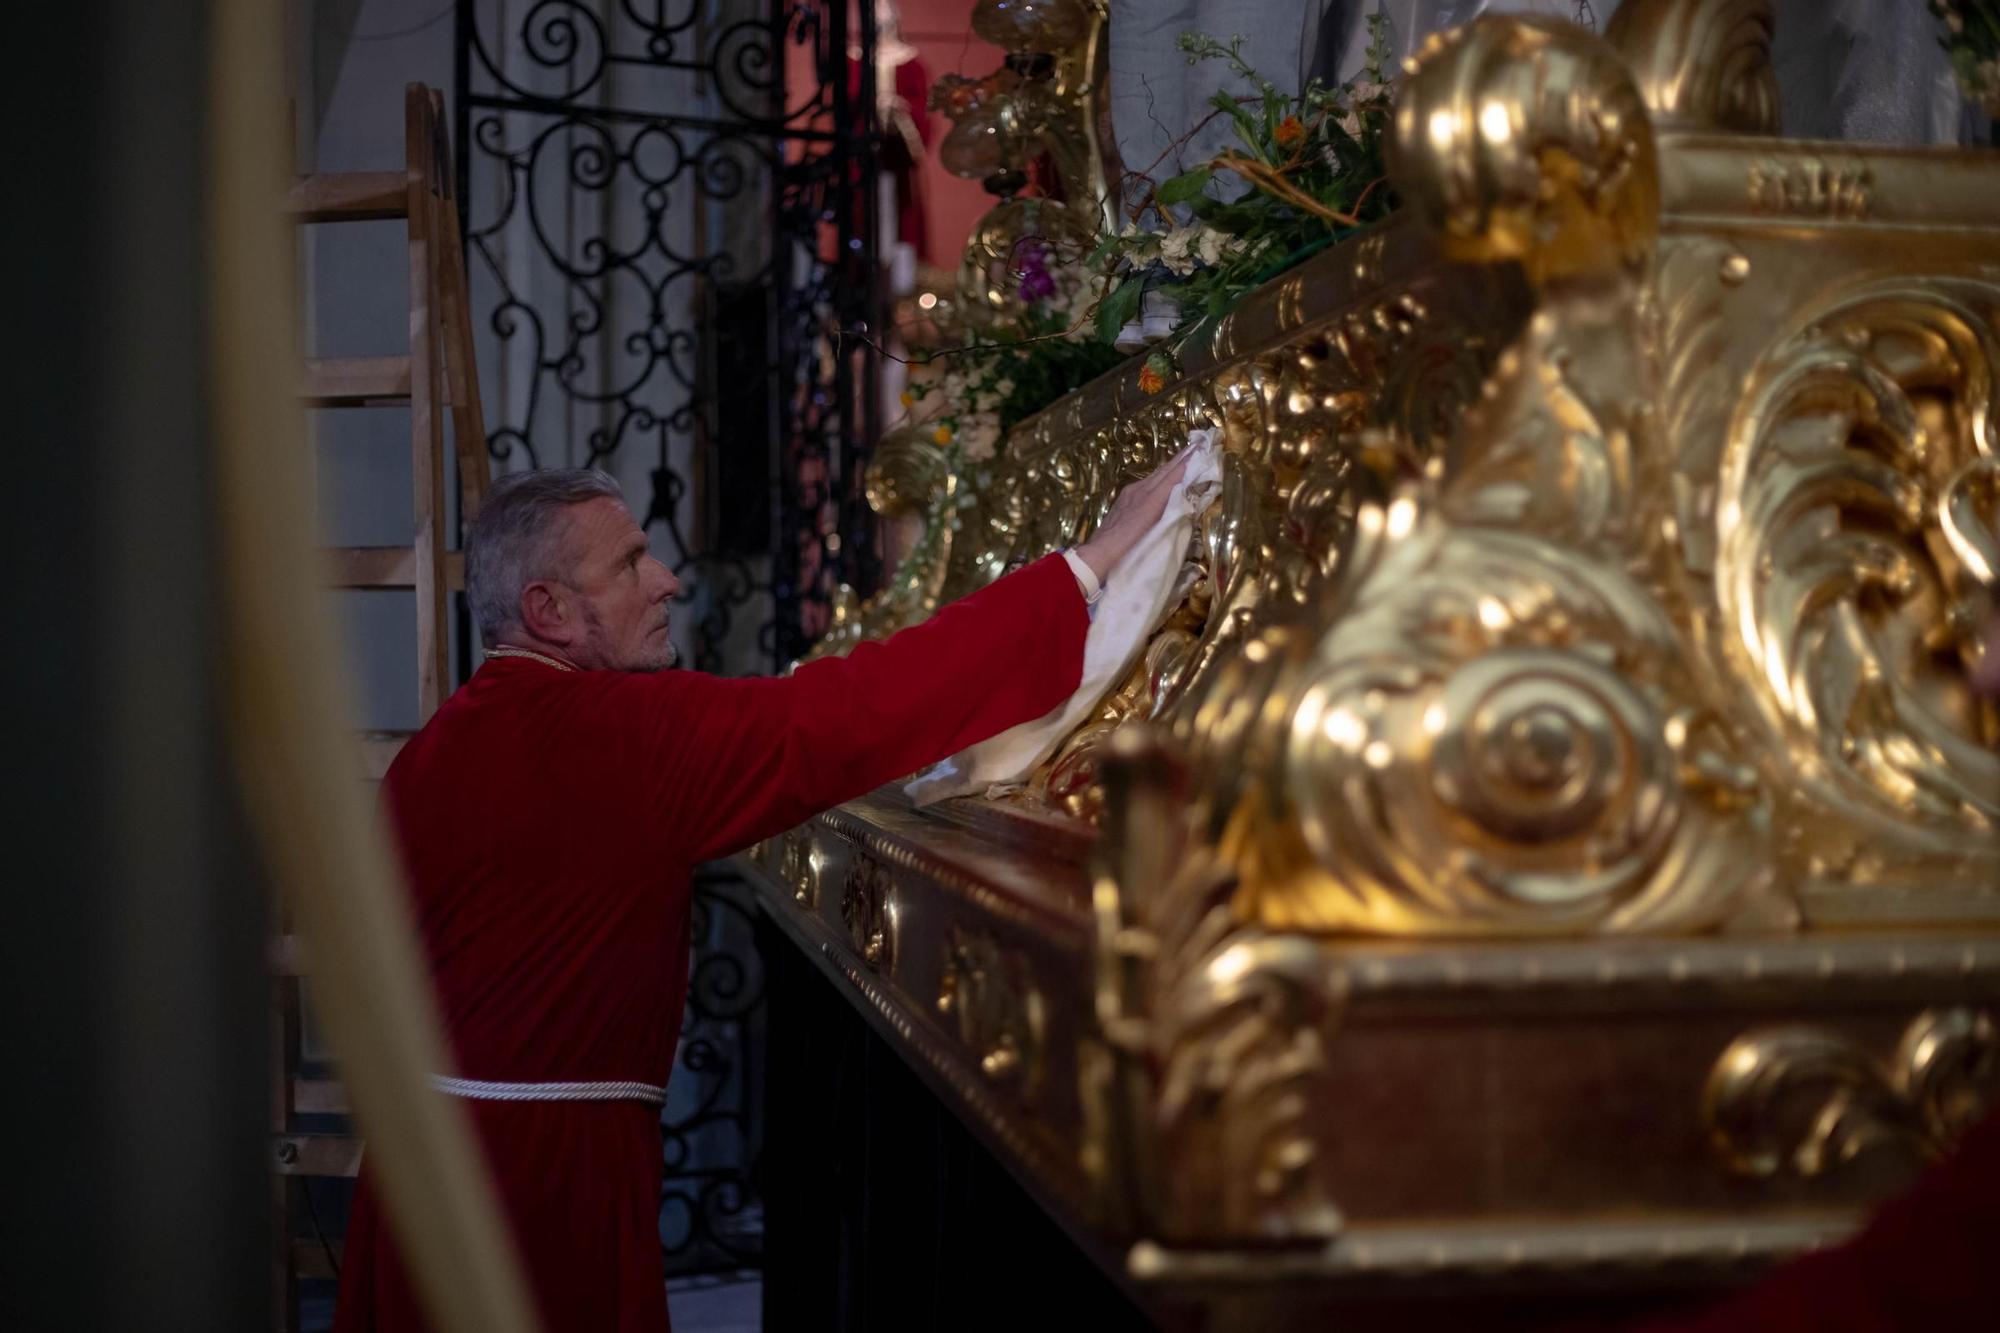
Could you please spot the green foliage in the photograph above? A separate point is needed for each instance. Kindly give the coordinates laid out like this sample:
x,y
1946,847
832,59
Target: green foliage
x,y
1045,371
1323,146
1186,187
1969,31
1119,305
1222,240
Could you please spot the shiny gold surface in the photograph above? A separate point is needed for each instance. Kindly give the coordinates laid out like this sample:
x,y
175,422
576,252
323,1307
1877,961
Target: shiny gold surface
x,y
868,906
1636,598
1806,1100
1557,793
1060,112
1212,1033
989,992
1700,66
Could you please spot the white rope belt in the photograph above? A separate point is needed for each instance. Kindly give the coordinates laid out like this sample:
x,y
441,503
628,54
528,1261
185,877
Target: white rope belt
x,y
485,1091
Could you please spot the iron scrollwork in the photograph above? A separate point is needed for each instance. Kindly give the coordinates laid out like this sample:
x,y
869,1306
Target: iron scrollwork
x,y
638,177
710,1216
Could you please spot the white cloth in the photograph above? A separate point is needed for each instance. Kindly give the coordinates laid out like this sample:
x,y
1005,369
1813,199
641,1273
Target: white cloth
x,y
1138,595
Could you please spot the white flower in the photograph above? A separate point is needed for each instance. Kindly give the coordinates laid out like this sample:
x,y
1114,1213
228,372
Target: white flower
x,y
979,437
1003,386
1210,246
927,400
1080,302
1177,251
1083,296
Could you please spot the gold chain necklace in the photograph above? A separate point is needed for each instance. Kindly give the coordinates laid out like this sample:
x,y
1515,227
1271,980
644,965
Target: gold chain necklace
x,y
504,651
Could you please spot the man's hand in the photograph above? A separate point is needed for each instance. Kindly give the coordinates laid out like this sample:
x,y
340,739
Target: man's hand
x,y
1133,514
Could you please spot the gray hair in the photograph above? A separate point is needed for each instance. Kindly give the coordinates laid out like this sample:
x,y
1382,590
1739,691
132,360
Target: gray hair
x,y
516,540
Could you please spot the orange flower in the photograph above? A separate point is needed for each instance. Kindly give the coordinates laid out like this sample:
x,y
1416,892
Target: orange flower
x,y
1290,131
942,435
1150,381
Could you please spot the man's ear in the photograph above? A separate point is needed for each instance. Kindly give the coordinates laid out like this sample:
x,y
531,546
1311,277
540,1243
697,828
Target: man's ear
x,y
545,612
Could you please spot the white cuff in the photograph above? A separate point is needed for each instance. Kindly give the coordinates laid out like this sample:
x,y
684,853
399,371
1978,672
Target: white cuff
x,y
1086,579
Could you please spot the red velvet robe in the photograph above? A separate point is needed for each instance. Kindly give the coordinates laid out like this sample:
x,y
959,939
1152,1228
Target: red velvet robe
x,y
550,821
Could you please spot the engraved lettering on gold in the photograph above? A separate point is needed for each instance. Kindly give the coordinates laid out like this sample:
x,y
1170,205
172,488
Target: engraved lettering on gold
x,y
1810,187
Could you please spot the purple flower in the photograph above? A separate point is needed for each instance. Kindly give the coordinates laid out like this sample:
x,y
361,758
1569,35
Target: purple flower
x,y
1032,267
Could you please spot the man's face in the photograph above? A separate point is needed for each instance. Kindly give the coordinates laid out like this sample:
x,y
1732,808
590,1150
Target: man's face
x,y
624,591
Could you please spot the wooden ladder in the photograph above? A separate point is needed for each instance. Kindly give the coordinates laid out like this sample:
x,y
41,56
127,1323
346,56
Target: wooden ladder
x,y
311,1138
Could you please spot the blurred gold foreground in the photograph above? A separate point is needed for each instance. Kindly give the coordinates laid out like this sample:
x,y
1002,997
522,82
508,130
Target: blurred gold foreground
x,y
284,702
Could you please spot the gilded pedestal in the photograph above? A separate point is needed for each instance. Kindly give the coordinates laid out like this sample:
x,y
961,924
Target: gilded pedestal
x,y
1555,838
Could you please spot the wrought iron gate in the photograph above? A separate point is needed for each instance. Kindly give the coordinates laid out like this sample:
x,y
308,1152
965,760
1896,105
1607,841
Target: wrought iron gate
x,y
670,220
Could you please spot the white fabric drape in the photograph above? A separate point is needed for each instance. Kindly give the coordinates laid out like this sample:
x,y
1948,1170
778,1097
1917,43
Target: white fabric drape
x,y
1138,595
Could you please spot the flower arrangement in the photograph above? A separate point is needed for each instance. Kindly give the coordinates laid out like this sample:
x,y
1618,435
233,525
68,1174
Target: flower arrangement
x,y
1307,169
1310,170
1972,38
990,384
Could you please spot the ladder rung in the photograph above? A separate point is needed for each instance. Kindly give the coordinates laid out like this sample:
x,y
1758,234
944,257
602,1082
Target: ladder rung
x,y
318,1096
386,567
372,566
311,1262
316,1154
356,381
378,750
349,196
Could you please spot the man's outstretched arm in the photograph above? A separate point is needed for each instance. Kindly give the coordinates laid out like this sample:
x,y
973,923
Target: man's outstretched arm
x,y
742,759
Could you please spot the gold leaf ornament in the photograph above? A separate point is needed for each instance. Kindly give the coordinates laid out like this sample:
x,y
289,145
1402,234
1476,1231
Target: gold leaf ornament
x,y
1523,138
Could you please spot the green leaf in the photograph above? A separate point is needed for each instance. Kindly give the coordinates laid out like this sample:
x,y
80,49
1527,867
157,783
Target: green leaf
x,y
1185,187
1240,218
1246,128
1117,309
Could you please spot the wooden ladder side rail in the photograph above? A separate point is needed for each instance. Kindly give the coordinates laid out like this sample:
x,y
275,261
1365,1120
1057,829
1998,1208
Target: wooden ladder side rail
x,y
420,129
468,418
285,1274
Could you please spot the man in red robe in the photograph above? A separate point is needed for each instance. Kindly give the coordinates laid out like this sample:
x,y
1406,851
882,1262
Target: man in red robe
x,y
552,812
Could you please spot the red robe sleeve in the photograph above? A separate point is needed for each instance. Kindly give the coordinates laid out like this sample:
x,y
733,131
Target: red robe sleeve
x,y
741,759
